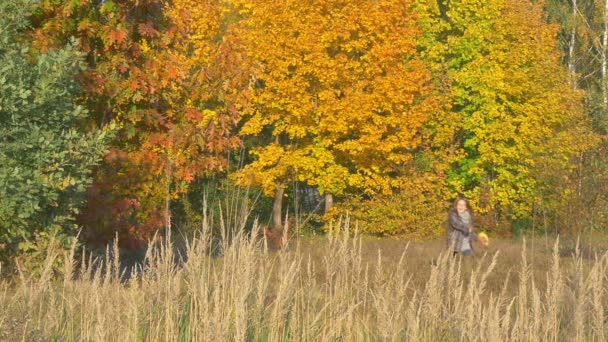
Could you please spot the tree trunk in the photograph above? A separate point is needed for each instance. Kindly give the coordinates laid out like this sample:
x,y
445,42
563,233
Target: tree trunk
x,y
168,200
571,47
605,57
329,200
168,180
277,207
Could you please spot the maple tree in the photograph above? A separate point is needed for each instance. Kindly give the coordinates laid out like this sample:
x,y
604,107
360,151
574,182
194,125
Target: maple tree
x,y
339,92
176,106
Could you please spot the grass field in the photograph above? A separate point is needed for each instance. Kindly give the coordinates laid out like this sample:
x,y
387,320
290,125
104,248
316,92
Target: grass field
x,y
336,288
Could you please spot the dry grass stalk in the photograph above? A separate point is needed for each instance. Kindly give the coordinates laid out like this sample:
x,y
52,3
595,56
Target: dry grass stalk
x,y
339,291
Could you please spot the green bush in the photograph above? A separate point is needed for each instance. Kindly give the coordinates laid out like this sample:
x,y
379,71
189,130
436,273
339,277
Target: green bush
x,y
46,158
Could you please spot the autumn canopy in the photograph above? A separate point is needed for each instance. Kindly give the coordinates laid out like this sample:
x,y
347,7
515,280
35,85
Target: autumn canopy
x,y
385,109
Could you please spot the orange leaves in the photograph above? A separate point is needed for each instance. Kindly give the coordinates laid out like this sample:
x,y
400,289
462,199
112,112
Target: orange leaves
x,y
115,37
171,78
147,30
194,115
339,80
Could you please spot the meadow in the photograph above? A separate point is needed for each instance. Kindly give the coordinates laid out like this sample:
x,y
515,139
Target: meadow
x,y
341,287
122,118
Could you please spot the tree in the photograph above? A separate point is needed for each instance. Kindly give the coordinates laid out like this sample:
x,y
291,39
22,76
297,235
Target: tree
x,y
159,70
518,117
584,38
46,156
340,95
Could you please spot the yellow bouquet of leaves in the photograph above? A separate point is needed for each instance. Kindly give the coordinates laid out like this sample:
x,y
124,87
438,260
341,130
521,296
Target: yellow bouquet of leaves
x,y
483,239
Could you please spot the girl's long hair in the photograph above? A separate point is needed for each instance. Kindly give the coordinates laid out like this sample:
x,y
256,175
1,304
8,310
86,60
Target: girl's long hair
x,y
466,201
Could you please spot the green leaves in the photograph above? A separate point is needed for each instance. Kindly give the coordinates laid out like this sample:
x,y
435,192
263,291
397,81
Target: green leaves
x,y
45,157
513,99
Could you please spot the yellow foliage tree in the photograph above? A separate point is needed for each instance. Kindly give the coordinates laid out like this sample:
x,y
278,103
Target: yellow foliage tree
x,y
340,96
519,121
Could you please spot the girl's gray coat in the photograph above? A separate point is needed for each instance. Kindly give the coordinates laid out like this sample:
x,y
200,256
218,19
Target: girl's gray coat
x,y
458,231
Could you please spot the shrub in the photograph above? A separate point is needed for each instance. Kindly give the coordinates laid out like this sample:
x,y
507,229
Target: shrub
x,y
411,213
45,157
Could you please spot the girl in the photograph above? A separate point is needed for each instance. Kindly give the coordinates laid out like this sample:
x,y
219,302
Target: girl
x,y
460,227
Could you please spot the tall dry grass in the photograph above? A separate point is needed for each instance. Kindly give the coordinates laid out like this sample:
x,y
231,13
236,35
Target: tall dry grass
x,y
341,293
